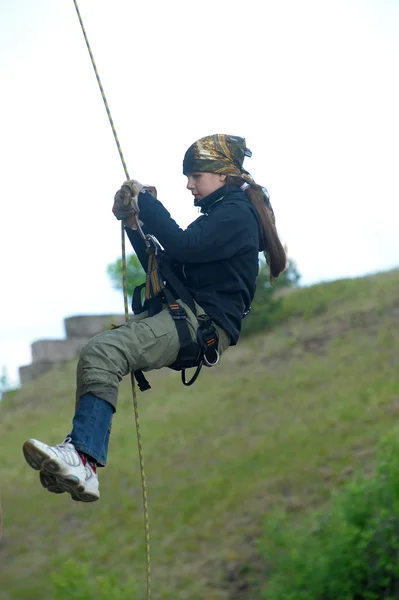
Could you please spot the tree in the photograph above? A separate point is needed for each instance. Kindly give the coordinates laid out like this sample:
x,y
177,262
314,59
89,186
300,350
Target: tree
x,y
135,274
289,278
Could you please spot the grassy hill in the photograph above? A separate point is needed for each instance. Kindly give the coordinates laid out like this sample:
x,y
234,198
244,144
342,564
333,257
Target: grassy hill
x,y
286,418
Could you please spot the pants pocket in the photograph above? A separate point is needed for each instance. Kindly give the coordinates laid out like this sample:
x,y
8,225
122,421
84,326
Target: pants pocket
x,y
162,341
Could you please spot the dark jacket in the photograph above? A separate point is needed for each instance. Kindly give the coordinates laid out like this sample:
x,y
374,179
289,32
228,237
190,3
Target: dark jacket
x,y
216,257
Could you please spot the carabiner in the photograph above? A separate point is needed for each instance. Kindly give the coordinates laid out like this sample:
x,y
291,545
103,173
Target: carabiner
x,y
150,239
212,364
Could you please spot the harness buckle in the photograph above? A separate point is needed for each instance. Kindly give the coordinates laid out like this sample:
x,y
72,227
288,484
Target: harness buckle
x,y
177,312
208,340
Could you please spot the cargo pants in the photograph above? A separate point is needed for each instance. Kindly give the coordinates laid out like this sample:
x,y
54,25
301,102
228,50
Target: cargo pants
x,y
144,343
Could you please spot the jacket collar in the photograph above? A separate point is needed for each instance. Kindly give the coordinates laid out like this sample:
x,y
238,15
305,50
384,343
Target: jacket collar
x,y
207,203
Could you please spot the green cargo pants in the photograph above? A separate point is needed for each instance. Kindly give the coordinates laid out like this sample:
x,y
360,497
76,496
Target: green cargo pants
x,y
144,343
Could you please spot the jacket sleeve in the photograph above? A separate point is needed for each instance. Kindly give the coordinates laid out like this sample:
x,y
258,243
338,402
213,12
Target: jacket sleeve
x,y
138,246
216,237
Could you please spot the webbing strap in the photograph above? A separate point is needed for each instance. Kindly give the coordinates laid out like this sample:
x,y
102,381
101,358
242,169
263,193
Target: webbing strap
x,y
141,381
174,282
188,353
154,284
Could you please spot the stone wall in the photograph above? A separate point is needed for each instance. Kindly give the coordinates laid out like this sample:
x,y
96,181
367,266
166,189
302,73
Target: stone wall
x,y
48,353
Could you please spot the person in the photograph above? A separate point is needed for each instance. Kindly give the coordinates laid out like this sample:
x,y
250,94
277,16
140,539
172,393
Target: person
x,y
216,258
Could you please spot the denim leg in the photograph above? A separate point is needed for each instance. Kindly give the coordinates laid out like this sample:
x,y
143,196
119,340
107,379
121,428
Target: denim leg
x,y
91,427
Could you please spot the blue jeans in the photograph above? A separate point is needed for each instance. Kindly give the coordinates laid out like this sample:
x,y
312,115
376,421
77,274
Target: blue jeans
x,y
92,427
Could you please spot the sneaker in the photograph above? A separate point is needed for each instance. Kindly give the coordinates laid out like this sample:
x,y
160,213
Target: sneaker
x,y
62,469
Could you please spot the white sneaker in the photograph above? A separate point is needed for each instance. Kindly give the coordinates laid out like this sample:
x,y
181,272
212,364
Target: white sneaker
x,y
62,469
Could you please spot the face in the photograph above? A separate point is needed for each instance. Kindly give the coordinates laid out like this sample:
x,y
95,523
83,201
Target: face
x,y
203,184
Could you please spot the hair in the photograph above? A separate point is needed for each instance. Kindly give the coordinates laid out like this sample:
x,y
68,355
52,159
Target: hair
x,y
269,239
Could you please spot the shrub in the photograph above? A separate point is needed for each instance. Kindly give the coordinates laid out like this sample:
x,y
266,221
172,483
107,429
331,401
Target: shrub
x,y
79,581
349,553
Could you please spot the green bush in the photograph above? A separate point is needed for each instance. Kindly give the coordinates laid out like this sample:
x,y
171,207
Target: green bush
x,y
349,553
81,582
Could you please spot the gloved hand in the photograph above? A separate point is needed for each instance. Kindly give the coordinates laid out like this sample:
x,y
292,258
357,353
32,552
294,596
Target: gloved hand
x,y
126,202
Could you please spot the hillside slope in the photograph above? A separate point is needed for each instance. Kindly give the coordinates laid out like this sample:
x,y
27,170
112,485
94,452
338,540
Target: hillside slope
x,y
285,418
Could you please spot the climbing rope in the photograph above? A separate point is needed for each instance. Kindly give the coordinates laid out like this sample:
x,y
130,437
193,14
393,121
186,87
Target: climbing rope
x,y
135,403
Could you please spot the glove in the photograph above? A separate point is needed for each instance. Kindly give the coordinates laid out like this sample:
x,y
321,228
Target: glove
x,y
126,202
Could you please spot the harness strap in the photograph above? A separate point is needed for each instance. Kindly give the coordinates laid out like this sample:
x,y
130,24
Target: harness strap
x,y
137,305
154,284
189,354
175,284
141,380
208,340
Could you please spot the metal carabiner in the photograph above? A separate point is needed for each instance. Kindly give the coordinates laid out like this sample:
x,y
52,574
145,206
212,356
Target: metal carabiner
x,y
212,364
151,239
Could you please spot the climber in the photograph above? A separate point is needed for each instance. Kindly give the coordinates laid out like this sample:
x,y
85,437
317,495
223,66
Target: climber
x,y
216,259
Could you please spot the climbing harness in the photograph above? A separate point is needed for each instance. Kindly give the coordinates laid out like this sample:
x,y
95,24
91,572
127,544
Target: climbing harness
x,y
135,403
163,286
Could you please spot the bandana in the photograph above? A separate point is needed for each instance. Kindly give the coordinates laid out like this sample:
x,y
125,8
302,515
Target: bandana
x,y
218,153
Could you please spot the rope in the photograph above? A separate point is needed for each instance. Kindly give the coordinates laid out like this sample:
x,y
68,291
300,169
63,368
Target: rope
x,y
135,403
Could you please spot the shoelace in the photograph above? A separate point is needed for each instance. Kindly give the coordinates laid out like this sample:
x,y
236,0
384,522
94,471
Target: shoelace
x,y
66,449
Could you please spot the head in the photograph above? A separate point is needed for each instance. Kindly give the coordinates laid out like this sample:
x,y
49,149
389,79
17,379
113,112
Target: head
x,y
210,160
202,184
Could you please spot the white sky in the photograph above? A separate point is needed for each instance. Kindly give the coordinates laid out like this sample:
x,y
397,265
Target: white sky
x,y
312,86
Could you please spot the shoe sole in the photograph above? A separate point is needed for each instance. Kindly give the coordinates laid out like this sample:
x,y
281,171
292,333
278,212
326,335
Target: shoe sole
x,y
50,483
51,476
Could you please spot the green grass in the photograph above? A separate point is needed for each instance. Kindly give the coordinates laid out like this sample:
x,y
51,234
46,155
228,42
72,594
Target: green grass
x,y
286,418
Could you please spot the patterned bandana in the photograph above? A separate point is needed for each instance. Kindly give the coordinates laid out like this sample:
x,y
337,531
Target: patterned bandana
x,y
223,154
218,153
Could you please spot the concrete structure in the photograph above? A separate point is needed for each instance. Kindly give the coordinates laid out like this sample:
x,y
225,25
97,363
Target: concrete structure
x,y
86,327
56,351
29,372
47,354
